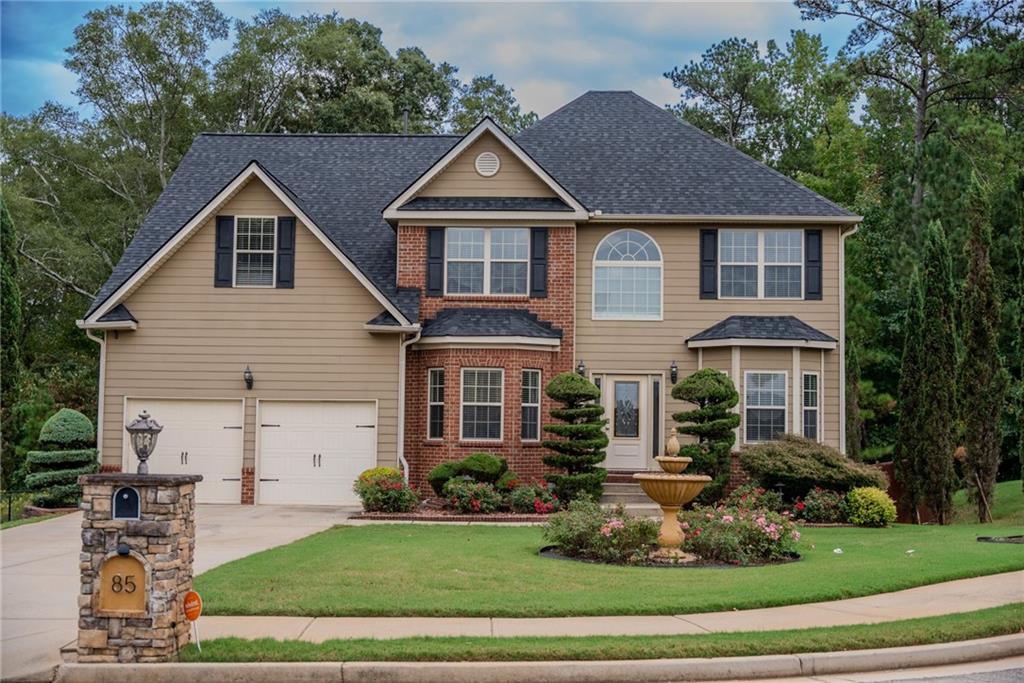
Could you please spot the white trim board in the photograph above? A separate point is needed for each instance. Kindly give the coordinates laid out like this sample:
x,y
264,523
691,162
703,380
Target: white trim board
x,y
393,213
534,343
795,343
204,214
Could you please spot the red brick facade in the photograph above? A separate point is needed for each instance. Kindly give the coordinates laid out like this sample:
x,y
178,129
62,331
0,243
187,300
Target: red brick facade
x,y
557,308
248,485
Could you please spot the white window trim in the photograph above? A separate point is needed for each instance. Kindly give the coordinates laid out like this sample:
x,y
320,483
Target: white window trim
x,y
537,405
747,406
463,404
594,315
761,264
431,403
234,255
804,406
487,260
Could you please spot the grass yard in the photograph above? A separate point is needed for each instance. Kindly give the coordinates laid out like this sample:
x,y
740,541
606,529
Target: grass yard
x,y
981,624
439,570
1008,508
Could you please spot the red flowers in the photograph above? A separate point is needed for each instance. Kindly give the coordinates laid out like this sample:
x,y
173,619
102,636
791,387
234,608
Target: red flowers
x,y
800,505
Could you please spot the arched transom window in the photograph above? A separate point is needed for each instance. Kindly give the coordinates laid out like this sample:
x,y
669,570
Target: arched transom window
x,y
627,277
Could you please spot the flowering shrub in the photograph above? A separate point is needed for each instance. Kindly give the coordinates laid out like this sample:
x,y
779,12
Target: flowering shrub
x,y
585,530
532,499
738,536
821,506
754,497
508,482
472,497
383,489
871,507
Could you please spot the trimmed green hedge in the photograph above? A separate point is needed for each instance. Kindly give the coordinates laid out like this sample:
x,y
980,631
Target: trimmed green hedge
x,y
67,428
480,467
53,473
797,465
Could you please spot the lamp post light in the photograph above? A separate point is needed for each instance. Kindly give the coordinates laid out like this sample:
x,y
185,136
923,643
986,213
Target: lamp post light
x,y
144,432
581,369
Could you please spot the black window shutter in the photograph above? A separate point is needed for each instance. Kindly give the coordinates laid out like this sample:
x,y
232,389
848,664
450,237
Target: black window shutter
x,y
539,263
222,276
708,264
812,264
435,261
286,252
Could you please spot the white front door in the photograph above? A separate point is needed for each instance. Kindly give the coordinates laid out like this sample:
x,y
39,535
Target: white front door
x,y
311,452
627,407
199,437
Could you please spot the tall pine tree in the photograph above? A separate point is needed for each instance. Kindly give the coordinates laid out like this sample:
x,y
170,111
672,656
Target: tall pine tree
x,y
10,341
854,423
983,380
928,386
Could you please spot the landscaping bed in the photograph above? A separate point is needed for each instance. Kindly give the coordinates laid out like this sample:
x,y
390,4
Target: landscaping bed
x,y
552,552
444,515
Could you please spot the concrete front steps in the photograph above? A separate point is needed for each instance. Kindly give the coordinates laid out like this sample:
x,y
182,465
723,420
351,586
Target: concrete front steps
x,y
620,489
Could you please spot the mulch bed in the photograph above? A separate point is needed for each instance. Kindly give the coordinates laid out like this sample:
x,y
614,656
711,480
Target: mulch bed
x,y
429,515
551,552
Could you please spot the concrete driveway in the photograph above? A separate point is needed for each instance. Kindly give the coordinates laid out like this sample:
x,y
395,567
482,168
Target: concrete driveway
x,y
40,577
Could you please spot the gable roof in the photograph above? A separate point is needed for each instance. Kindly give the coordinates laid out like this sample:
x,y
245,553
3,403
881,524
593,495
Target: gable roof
x,y
620,154
776,328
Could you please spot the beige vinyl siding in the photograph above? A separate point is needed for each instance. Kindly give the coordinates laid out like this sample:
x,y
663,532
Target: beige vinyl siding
x,y
194,340
653,345
460,179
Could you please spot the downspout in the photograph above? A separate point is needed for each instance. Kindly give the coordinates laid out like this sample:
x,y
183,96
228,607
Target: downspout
x,y
401,402
99,400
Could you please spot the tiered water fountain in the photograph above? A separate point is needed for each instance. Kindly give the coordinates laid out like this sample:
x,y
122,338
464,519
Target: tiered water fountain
x,y
671,490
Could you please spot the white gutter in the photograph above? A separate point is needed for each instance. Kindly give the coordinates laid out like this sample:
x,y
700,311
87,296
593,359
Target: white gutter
x,y
113,325
402,346
600,217
99,398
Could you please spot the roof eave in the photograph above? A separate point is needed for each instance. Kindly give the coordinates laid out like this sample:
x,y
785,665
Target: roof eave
x,y
600,217
110,325
744,341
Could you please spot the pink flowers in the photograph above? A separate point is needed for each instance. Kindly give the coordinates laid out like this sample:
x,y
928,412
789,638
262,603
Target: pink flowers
x,y
728,519
685,525
611,526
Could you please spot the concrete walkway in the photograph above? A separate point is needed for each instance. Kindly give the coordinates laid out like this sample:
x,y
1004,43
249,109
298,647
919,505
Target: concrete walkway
x,y
935,600
40,580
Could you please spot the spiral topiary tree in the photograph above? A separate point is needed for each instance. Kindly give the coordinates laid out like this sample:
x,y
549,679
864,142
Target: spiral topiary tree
x,y
712,422
53,473
583,440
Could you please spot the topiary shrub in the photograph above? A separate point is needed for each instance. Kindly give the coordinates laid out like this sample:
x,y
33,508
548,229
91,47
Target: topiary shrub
x,y
797,465
53,472
870,506
440,475
483,467
580,448
383,489
712,422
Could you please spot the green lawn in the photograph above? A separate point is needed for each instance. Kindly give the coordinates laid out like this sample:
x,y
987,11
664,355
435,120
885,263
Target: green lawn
x,y
448,570
1007,508
981,624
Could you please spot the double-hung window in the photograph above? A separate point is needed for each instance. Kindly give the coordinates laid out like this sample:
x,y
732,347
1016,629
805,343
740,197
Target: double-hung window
x,y
487,260
811,404
482,393
435,403
255,247
765,404
531,406
765,264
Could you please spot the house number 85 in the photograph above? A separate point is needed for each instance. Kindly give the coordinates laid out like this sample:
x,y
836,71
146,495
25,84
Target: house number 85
x,y
120,583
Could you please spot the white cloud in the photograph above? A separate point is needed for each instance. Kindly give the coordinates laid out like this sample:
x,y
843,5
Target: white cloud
x,y
657,90
545,95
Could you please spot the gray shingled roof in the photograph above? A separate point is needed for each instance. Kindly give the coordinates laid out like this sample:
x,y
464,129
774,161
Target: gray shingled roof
x,y
485,204
762,327
613,151
118,314
619,153
489,322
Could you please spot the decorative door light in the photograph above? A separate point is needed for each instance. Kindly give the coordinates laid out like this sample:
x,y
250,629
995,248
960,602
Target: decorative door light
x,y
144,432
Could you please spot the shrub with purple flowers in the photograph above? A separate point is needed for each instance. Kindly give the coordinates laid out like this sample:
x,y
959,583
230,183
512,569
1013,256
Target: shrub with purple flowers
x,y
736,535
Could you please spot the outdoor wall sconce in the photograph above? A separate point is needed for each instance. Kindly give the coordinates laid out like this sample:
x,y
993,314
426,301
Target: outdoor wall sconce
x,y
581,369
674,372
247,376
144,432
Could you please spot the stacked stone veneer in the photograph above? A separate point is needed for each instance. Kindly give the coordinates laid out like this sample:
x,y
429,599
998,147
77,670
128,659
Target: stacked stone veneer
x,y
163,539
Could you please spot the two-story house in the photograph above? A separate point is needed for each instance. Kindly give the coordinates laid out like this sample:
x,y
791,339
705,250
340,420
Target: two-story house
x,y
298,308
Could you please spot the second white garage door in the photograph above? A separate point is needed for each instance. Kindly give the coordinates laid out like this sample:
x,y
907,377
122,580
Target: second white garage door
x,y
311,452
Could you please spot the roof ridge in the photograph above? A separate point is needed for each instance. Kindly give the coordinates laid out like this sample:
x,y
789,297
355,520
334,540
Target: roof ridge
x,y
791,181
210,133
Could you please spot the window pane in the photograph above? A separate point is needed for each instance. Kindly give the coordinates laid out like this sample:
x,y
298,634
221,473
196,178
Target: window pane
x,y
510,244
508,278
254,269
481,386
436,386
481,422
465,243
531,428
531,387
627,409
738,281
628,291
766,389
737,246
465,277
810,391
783,246
765,425
627,245
782,281
436,422
811,424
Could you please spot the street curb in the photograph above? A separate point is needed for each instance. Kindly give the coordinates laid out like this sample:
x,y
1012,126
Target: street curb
x,y
625,671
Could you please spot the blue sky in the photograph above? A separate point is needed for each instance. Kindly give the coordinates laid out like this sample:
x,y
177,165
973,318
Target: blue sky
x,y
549,53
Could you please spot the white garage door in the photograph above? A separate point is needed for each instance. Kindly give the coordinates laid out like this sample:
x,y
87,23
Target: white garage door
x,y
311,452
199,437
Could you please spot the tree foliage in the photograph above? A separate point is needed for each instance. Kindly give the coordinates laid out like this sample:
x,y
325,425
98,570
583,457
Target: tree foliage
x,y
712,422
582,439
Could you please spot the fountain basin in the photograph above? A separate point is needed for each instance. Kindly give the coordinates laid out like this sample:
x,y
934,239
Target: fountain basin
x,y
671,490
673,464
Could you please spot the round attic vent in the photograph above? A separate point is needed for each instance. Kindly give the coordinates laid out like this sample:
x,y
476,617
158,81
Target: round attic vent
x,y
487,164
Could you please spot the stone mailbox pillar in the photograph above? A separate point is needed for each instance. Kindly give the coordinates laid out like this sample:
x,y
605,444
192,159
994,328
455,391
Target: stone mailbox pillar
x,y
138,538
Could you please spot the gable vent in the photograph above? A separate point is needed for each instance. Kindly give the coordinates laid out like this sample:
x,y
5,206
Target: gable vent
x,y
487,164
